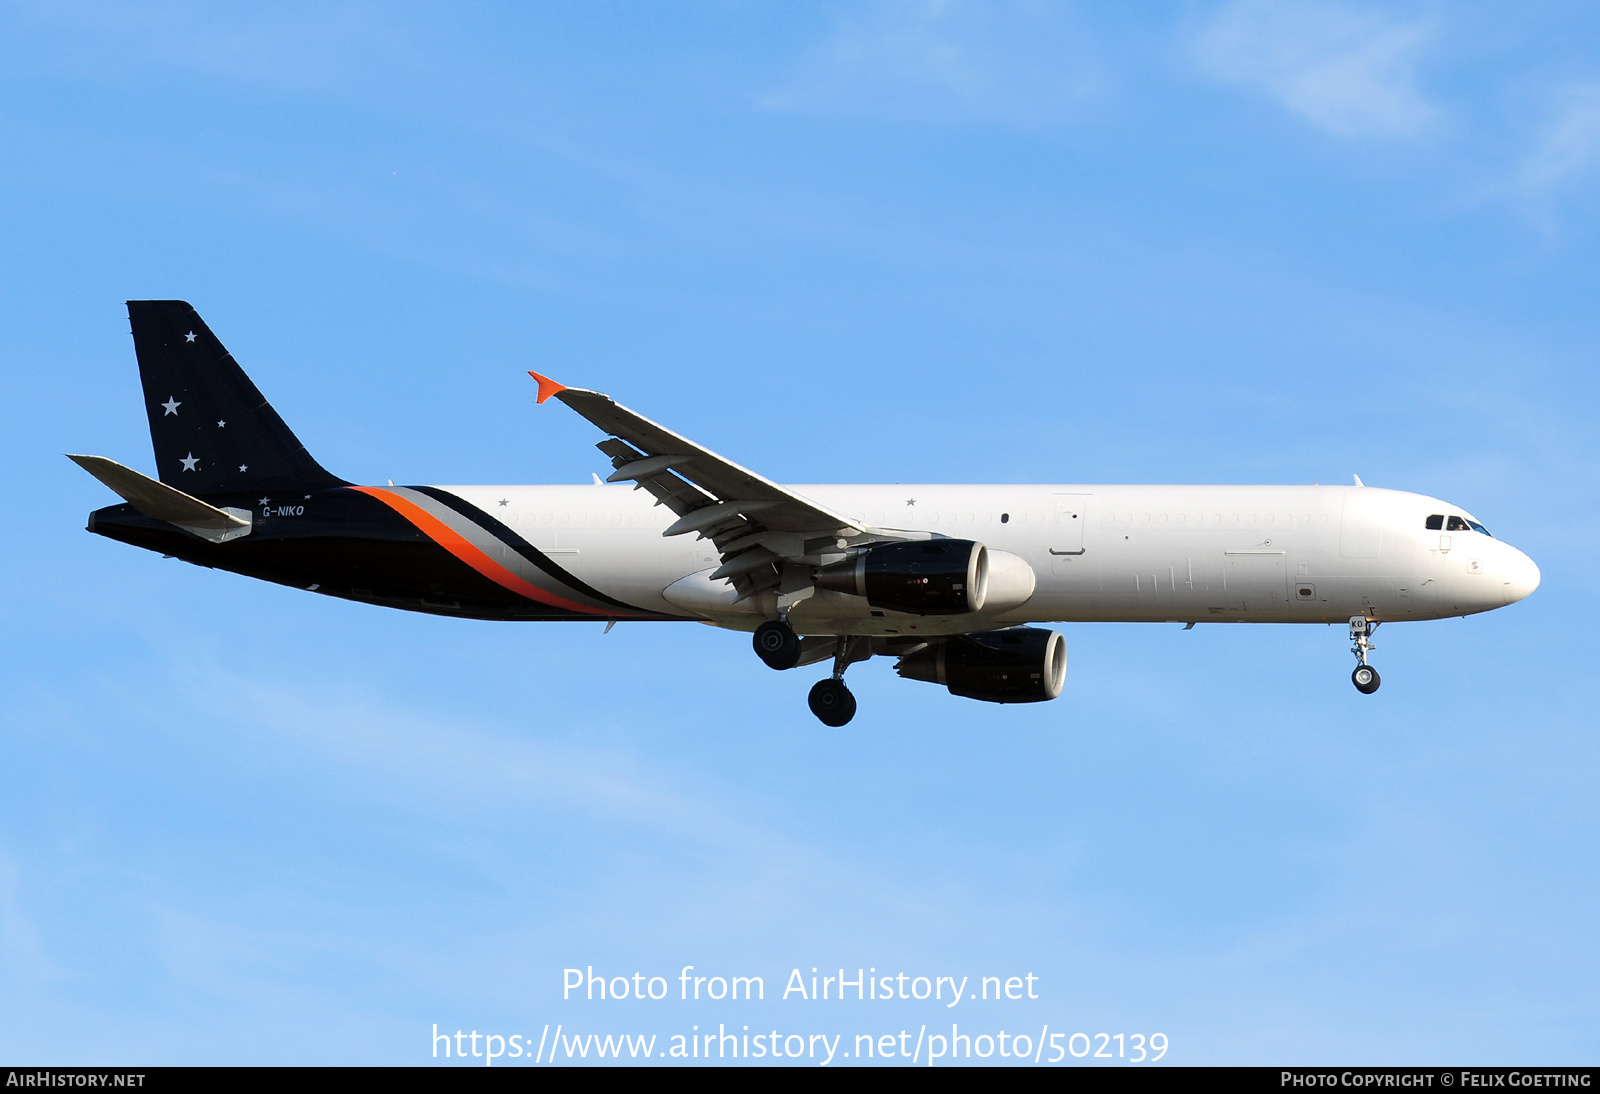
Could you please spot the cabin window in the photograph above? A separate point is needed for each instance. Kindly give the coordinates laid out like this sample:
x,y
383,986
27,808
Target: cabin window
x,y
1435,523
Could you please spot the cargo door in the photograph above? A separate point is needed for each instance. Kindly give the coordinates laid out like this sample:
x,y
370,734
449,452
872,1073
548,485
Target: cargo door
x,y
1257,580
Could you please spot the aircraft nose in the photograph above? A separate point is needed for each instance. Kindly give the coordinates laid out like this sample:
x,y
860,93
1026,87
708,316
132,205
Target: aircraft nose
x,y
1520,578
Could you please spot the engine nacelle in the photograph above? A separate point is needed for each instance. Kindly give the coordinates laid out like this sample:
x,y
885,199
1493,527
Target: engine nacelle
x,y
1016,665
1010,585
925,577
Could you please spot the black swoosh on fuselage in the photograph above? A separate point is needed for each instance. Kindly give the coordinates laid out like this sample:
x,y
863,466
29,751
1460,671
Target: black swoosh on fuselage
x,y
510,538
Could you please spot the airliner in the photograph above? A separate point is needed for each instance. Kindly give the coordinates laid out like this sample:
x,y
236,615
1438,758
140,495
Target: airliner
x,y
950,580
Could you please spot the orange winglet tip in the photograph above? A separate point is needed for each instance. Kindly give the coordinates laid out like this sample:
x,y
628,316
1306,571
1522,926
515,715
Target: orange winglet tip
x,y
547,386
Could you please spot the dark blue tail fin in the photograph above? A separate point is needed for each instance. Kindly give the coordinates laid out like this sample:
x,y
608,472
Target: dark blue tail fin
x,y
213,432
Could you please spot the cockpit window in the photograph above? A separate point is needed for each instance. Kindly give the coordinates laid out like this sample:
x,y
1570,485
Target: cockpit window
x,y
1462,524
1435,522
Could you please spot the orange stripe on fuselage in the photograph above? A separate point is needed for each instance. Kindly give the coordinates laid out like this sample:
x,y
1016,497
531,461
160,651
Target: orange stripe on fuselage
x,y
452,541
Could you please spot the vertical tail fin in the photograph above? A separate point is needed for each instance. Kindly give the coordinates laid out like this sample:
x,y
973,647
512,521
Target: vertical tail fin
x,y
213,432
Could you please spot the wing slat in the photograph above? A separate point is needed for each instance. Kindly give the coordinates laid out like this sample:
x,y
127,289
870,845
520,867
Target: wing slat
x,y
760,529
720,478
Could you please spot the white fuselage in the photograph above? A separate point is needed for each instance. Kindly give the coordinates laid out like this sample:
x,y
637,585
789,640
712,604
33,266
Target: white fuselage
x,y
1260,554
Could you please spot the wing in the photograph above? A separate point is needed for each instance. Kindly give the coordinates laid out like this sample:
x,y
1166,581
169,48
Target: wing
x,y
756,525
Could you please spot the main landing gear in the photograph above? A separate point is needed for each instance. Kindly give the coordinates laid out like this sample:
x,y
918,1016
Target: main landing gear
x,y
777,644
1365,677
830,700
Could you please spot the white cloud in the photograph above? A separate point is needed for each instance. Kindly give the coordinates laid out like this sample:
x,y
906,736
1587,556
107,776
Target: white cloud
x,y
1566,149
1020,63
22,954
1345,71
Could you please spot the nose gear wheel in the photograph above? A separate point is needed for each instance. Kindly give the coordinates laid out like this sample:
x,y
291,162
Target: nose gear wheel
x,y
1365,677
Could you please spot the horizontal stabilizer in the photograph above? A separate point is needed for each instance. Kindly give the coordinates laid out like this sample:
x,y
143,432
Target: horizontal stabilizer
x,y
158,501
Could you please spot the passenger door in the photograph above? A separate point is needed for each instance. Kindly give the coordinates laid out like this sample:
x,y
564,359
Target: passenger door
x,y
1066,534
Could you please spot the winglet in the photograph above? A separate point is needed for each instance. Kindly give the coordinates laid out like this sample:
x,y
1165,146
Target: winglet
x,y
547,386
1356,477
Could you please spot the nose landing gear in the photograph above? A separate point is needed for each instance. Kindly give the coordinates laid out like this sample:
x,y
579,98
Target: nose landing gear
x,y
1365,677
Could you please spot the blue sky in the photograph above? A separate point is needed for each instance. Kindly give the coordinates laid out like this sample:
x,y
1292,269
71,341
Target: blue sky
x,y
845,242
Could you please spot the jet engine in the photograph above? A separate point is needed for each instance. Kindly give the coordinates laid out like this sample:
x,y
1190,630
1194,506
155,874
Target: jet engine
x,y
934,577
1016,665
927,577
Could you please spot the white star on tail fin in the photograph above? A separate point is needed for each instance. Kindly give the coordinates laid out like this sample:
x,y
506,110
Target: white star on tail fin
x,y
171,405
189,462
